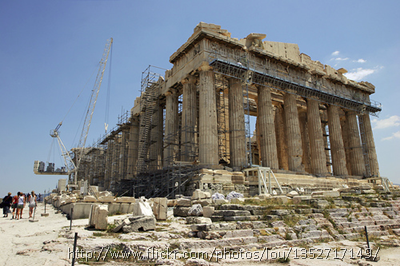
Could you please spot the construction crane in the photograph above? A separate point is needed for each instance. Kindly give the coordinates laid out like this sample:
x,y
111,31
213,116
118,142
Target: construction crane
x,y
71,166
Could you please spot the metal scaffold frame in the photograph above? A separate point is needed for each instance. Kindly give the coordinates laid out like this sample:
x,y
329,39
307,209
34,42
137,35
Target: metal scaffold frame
x,y
294,85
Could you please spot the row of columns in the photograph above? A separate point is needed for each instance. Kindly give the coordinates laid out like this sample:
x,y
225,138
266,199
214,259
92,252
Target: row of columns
x,y
279,131
286,139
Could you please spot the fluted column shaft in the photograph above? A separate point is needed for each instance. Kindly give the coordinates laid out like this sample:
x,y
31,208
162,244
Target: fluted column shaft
x,y
336,141
208,130
293,134
189,117
122,156
317,145
156,135
133,144
281,143
369,145
236,124
266,128
356,155
171,126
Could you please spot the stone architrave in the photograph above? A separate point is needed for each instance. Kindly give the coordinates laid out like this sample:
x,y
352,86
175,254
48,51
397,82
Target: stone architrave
x,y
336,142
367,137
208,130
293,134
236,124
189,117
171,126
356,153
266,128
317,145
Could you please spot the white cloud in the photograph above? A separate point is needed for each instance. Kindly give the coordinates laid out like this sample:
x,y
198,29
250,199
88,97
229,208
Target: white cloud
x,y
393,121
341,59
335,53
359,73
394,135
361,60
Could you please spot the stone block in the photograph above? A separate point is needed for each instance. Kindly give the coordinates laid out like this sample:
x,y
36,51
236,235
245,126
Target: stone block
x,y
160,208
203,202
182,202
195,210
106,199
299,199
139,223
220,201
208,211
181,211
226,178
237,200
264,196
207,178
198,220
281,199
198,194
125,199
142,208
98,217
89,199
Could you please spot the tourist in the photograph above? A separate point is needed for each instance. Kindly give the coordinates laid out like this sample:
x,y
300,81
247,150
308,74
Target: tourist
x,y
20,205
7,201
14,205
32,199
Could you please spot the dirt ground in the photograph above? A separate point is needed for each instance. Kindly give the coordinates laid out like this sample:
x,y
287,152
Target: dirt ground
x,y
48,241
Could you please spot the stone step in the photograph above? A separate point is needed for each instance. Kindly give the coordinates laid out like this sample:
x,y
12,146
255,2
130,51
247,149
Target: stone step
x,y
225,234
202,244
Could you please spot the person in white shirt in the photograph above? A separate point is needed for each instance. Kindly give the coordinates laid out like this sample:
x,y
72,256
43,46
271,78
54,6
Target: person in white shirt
x,y
32,199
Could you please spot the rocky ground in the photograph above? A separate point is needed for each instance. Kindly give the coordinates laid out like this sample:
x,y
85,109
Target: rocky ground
x,y
324,232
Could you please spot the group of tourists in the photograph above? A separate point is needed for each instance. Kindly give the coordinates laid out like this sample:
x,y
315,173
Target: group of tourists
x,y
17,203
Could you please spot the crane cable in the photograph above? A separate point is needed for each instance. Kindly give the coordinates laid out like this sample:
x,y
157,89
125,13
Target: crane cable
x,y
107,111
78,95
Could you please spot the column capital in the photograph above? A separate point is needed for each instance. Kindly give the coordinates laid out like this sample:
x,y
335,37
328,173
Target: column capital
x,y
188,79
204,67
171,91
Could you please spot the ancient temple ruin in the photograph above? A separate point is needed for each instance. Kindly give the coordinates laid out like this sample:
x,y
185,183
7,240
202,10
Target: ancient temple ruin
x,y
193,126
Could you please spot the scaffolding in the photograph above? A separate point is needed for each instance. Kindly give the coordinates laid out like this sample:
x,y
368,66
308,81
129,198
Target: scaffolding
x,y
230,64
150,86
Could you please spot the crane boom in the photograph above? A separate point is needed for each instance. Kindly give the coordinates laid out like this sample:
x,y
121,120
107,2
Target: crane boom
x,y
92,105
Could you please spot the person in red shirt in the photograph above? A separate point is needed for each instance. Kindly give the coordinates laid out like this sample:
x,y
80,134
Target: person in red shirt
x,y
14,205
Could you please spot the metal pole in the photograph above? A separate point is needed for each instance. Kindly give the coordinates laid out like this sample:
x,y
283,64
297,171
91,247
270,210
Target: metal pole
x,y
70,221
73,257
366,235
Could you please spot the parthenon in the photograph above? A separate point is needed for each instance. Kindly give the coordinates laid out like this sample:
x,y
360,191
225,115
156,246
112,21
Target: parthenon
x,y
228,104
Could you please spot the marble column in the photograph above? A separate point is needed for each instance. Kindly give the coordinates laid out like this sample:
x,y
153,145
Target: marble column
x,y
317,145
156,135
367,137
171,127
336,141
345,135
208,130
356,153
107,176
293,134
236,125
281,143
133,144
122,156
189,117
305,140
266,128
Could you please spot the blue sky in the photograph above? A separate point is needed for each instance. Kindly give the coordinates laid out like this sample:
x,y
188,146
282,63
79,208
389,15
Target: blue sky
x,y
50,49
